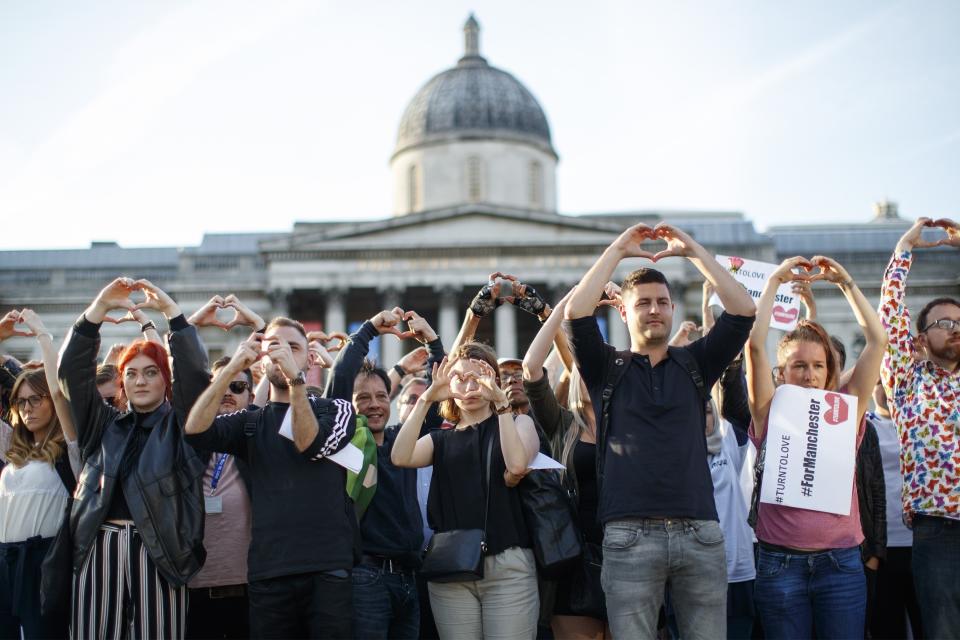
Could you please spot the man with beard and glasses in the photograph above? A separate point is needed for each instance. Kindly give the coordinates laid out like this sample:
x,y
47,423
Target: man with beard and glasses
x,y
920,377
301,549
391,530
218,594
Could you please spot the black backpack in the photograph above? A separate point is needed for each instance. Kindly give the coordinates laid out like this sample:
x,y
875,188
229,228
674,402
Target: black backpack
x,y
615,370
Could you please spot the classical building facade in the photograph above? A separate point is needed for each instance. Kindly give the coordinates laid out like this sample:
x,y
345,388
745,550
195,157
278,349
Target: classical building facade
x,y
474,192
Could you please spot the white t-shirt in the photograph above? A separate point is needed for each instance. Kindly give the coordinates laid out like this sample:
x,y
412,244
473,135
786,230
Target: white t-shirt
x,y
898,535
32,497
725,468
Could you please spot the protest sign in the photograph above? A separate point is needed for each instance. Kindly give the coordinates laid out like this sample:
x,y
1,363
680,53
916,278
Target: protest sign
x,y
753,275
811,449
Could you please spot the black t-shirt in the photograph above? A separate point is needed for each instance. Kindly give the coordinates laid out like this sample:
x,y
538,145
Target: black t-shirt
x,y
301,515
457,498
655,460
392,526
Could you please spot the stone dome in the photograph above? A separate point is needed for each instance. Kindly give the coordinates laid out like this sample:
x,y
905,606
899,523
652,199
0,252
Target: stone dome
x,y
471,101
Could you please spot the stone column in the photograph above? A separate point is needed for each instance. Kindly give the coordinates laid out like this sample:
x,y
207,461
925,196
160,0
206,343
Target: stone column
x,y
390,348
505,327
448,324
617,332
335,318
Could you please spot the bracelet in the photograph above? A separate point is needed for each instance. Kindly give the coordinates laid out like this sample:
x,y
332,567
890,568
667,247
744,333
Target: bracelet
x,y
262,329
146,327
399,370
505,409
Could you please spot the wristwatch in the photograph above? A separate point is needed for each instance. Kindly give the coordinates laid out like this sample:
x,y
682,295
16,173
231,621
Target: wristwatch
x,y
299,380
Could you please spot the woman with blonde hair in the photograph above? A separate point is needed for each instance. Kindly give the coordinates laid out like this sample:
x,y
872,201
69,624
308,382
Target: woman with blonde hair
x,y
40,457
486,436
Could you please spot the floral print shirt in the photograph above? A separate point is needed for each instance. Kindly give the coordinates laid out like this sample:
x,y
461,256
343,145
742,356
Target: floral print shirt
x,y
925,405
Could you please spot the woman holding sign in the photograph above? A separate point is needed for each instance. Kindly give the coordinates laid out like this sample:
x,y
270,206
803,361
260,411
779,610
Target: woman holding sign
x,y
809,572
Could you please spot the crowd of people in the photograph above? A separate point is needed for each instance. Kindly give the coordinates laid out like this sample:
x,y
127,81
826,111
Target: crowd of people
x,y
147,494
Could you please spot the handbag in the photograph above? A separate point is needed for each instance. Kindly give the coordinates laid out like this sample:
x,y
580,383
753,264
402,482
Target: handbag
x,y
551,520
56,570
457,555
586,591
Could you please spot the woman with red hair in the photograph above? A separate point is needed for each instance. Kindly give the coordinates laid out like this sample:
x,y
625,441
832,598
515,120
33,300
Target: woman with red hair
x,y
137,518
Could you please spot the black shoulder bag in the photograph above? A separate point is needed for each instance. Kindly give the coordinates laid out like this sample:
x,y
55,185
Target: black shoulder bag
x,y
457,556
56,571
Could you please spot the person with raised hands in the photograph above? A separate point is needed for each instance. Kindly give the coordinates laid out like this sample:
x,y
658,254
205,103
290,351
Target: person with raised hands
x,y
487,435
921,377
137,515
301,549
655,490
40,461
809,571
391,528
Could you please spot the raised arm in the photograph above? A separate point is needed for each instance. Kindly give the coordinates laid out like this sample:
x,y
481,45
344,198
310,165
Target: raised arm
x,y
706,311
410,450
519,441
760,387
204,410
77,368
350,359
49,356
865,372
190,369
483,304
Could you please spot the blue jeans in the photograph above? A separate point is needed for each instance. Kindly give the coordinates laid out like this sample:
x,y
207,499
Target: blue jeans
x,y
797,593
641,556
385,604
936,563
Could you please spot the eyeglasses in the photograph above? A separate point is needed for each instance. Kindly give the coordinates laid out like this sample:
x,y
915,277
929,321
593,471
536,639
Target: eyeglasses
x,y
33,400
239,386
410,399
944,323
510,377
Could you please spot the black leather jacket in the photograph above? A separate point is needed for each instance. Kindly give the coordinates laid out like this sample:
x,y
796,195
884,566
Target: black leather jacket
x,y
164,490
872,495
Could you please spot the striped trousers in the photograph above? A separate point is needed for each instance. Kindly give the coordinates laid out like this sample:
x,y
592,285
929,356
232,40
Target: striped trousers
x,y
119,594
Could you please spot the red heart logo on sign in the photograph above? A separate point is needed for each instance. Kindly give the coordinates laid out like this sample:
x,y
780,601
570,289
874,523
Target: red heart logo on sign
x,y
785,316
837,409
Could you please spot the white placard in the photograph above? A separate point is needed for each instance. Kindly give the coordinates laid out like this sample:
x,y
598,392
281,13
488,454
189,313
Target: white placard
x,y
811,449
753,275
544,462
350,457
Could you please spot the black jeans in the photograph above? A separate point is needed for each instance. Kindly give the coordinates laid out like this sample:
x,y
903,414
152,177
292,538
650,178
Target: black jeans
x,y
209,616
307,605
20,592
936,564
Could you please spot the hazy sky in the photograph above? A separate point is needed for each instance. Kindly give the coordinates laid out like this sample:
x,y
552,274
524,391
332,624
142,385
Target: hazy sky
x,y
150,123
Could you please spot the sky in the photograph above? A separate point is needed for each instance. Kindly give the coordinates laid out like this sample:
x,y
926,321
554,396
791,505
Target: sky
x,y
152,123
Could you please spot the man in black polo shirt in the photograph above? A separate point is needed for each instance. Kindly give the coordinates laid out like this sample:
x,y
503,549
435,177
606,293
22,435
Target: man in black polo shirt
x,y
656,495
301,549
391,531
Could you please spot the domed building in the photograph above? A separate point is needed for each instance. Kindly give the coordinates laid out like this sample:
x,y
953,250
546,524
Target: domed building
x,y
473,133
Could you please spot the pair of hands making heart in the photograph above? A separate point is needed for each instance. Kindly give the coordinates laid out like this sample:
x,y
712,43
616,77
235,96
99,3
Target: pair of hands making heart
x,y
912,239
830,271
25,317
390,321
119,295
503,287
257,346
679,243
206,316
478,382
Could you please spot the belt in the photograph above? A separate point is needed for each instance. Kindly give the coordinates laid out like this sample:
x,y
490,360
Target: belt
x,y
390,565
776,548
226,591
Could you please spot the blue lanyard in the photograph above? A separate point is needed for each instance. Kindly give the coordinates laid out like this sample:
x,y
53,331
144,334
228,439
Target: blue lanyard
x,y
217,472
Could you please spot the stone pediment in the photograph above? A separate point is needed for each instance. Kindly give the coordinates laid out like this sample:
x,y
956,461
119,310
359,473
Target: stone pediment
x,y
462,227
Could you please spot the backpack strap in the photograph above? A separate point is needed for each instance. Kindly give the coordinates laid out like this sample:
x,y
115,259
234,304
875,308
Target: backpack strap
x,y
689,363
616,367
63,469
253,419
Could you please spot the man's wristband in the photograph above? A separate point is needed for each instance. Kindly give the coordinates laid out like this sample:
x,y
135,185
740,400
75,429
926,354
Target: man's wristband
x,y
147,326
399,370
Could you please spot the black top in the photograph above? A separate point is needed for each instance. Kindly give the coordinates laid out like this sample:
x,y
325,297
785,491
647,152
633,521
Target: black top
x,y
392,526
458,488
655,462
585,462
131,454
301,517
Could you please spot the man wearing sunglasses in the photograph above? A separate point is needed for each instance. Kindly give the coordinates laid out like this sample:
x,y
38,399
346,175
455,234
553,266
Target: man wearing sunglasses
x,y
218,594
921,379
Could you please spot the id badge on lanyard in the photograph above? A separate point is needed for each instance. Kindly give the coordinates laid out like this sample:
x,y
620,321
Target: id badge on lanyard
x,y
214,503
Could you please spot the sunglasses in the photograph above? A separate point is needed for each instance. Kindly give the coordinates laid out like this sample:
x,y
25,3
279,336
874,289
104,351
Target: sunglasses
x,y
239,386
34,401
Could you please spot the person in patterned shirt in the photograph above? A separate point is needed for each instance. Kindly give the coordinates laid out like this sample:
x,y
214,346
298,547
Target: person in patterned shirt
x,y
920,376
